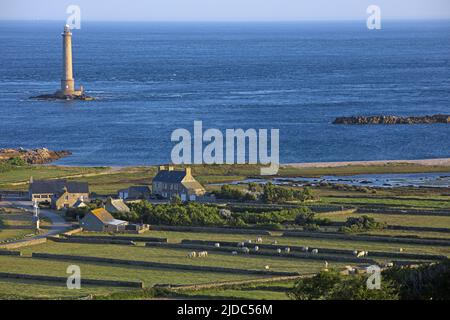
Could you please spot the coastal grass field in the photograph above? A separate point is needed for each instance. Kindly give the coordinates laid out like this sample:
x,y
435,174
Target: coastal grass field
x,y
107,180
157,276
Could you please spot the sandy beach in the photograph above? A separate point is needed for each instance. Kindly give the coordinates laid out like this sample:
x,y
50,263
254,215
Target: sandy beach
x,y
424,162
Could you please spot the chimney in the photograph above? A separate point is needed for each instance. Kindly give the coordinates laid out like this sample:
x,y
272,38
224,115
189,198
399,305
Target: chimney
x,y
161,168
170,168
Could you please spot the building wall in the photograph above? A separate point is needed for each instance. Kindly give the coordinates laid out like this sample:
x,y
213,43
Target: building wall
x,y
67,200
91,223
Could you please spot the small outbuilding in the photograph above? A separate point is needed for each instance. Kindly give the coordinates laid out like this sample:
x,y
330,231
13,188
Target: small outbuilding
x,y
102,221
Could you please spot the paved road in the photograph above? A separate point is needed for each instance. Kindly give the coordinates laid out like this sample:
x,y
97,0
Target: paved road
x,y
58,225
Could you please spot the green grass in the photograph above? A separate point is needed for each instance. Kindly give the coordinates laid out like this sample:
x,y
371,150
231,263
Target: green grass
x,y
391,203
149,276
178,256
395,219
16,224
22,175
268,291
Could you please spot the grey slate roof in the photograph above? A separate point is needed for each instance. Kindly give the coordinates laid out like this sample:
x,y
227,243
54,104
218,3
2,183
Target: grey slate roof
x,y
169,176
56,186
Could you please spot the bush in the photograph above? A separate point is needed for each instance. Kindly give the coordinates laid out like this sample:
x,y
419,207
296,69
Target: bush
x,y
361,224
274,194
331,285
227,192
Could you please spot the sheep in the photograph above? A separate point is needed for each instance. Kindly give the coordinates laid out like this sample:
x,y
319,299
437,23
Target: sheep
x,y
245,250
217,245
249,241
234,253
192,255
266,267
361,254
202,254
355,253
241,244
304,249
259,240
401,250
315,251
275,242
256,248
287,250
279,251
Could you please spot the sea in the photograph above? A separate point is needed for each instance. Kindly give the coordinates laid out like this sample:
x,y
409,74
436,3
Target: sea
x,y
150,78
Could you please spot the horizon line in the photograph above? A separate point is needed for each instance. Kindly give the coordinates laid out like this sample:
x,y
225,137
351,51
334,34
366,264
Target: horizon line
x,y
233,21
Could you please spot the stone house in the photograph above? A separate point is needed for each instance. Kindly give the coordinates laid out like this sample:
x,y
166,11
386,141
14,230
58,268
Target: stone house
x,y
169,183
116,206
60,193
101,220
135,192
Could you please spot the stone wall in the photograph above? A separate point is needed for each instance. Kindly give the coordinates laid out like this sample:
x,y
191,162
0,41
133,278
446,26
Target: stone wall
x,y
24,243
159,265
368,238
211,230
96,282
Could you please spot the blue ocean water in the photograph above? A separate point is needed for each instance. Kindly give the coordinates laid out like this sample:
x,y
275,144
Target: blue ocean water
x,y
151,78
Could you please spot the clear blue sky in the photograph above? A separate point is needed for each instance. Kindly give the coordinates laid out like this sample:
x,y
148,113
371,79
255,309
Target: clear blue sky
x,y
222,10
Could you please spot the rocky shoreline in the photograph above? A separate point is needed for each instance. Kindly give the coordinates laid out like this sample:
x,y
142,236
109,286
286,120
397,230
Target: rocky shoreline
x,y
33,156
364,120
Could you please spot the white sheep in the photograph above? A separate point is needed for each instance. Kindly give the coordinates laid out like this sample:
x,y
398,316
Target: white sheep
x,y
240,244
315,251
361,254
304,249
202,254
249,241
401,250
266,267
275,242
256,248
192,255
355,253
279,251
234,253
259,240
245,250
287,250
217,245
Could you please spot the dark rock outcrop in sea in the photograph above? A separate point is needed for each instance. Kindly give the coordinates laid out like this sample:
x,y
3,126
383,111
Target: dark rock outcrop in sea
x,y
362,120
62,97
33,156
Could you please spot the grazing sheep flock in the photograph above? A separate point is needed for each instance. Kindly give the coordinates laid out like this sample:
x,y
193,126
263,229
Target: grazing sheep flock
x,y
201,254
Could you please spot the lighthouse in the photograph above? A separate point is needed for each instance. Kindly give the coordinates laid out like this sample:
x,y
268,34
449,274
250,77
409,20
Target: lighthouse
x,y
67,90
67,82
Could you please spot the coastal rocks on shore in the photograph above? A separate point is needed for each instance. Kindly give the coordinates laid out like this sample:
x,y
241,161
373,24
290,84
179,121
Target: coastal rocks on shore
x,y
362,120
33,156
